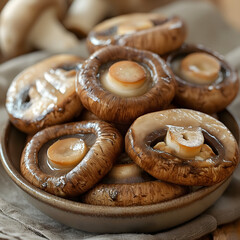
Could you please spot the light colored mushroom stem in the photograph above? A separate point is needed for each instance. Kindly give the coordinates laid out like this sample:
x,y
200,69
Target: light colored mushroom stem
x,y
85,14
49,34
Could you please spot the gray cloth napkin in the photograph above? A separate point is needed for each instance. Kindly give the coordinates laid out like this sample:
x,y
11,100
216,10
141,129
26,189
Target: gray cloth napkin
x,y
19,220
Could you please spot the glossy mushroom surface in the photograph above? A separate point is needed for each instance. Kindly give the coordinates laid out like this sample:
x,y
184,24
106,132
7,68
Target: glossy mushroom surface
x,y
129,185
149,218
103,143
159,84
205,81
44,94
150,129
147,31
88,116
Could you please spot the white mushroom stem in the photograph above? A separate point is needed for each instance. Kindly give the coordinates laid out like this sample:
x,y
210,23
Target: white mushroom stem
x,y
49,34
126,79
84,15
66,153
185,142
201,68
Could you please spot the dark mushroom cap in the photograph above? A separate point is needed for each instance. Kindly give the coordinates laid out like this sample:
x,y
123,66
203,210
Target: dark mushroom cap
x,y
208,98
128,185
44,94
113,108
167,34
96,163
152,127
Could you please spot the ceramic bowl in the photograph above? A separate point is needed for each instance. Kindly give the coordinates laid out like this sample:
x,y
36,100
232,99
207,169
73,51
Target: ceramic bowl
x,y
102,219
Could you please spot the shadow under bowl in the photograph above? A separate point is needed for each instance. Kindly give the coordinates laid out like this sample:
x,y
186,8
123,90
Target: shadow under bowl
x,y
103,219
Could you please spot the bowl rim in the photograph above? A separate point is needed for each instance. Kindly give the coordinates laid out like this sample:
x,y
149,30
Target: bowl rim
x,y
90,210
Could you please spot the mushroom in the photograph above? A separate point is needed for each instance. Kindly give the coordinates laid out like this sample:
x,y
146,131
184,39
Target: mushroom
x,y
183,146
205,82
2,4
29,24
147,31
118,84
67,160
44,94
87,115
83,15
128,185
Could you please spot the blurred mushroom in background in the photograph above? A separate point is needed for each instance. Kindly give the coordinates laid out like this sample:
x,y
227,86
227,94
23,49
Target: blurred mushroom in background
x,y
230,11
57,25
26,25
2,4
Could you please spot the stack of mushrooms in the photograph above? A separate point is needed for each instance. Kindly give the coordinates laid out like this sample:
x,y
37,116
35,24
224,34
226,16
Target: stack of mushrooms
x,y
134,124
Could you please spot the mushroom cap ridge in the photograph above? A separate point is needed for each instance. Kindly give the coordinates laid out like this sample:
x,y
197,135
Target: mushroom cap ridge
x,y
96,164
113,108
170,168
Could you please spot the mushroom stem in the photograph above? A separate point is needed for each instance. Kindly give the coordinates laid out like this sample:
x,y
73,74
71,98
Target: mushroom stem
x,y
48,33
126,78
200,68
85,15
125,172
186,143
66,153
130,27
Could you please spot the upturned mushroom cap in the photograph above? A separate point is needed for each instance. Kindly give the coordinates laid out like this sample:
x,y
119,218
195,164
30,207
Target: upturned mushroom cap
x,y
159,35
150,128
118,109
44,94
97,162
128,185
20,30
206,97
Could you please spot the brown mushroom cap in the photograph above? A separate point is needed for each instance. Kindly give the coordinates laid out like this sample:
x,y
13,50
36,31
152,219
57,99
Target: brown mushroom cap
x,y
209,98
44,94
113,108
128,185
96,163
149,128
17,19
167,34
87,116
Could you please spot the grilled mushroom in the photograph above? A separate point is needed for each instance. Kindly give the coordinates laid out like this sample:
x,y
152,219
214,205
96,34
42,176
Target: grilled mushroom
x,y
183,146
67,160
44,94
147,31
128,185
118,84
205,82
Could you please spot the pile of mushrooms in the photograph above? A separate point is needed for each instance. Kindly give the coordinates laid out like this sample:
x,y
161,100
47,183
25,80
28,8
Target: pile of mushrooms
x,y
113,130
27,25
